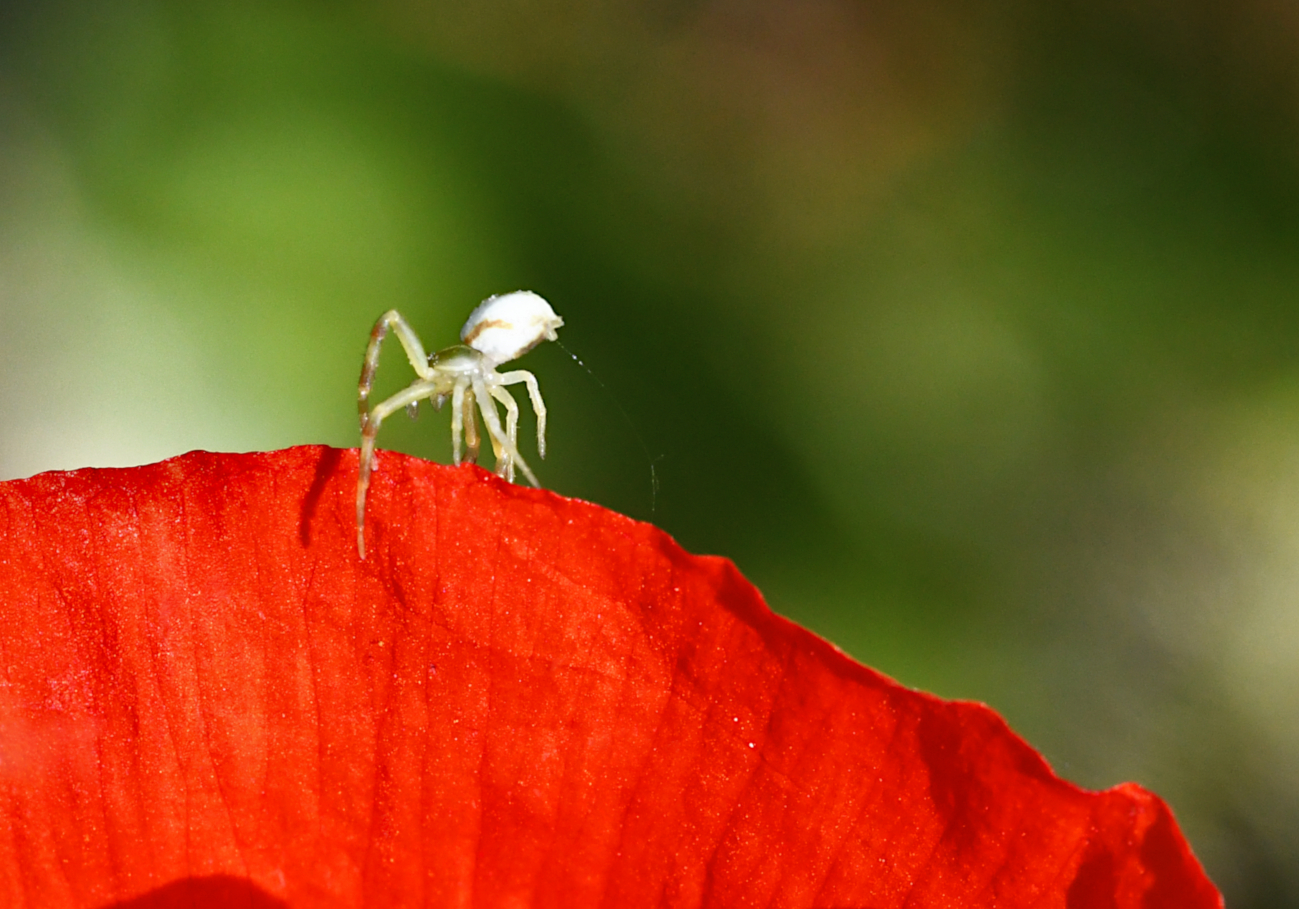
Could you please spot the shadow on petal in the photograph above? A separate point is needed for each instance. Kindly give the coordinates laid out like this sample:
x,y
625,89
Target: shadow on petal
x,y
217,892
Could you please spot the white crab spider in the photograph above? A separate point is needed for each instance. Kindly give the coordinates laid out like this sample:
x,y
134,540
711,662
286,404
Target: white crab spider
x,y
500,329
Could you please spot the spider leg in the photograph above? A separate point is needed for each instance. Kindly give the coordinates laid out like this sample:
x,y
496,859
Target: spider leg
x,y
410,343
369,430
458,417
472,438
498,435
511,428
538,406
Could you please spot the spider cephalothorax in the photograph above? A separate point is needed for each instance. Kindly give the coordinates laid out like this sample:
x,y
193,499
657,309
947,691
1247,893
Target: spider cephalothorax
x,y
502,328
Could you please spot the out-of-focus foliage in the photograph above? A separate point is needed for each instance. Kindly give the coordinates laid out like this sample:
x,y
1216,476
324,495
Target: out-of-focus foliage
x,y
971,332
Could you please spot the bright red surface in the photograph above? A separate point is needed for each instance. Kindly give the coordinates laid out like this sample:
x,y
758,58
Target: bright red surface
x,y
516,700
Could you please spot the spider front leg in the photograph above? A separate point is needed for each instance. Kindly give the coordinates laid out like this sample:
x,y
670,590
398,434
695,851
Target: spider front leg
x,y
370,419
410,342
514,377
370,423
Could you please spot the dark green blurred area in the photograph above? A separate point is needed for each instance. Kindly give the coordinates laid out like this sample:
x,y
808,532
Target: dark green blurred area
x,y
970,334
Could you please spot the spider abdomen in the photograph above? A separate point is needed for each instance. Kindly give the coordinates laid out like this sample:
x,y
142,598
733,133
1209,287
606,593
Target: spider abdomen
x,y
506,326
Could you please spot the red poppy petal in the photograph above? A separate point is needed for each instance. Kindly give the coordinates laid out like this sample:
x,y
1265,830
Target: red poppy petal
x,y
516,699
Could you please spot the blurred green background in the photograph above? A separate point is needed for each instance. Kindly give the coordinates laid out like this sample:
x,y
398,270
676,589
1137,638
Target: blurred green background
x,y
969,331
